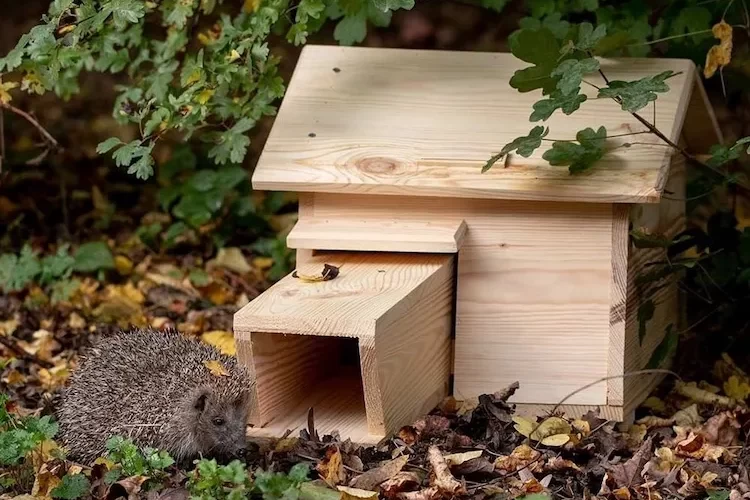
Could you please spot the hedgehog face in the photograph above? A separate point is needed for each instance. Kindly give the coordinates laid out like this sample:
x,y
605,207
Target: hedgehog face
x,y
220,423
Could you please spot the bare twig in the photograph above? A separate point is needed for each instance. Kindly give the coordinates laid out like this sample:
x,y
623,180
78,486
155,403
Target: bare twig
x,y
21,352
47,136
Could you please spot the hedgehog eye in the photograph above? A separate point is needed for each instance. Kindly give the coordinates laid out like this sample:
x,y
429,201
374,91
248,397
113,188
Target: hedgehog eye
x,y
218,421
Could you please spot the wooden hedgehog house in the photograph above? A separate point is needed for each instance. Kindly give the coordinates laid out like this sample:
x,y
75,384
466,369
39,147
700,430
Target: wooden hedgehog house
x,y
454,281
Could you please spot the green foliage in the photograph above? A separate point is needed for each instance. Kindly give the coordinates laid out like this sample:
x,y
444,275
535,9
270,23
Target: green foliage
x,y
283,257
72,487
93,256
209,480
635,95
524,146
579,155
665,349
19,436
721,154
540,48
132,461
215,90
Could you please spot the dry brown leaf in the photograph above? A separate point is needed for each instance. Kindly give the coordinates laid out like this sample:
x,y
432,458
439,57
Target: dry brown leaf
x,y
722,429
690,390
582,427
222,340
719,55
625,475
14,377
459,458
521,457
401,482
652,422
182,285
44,482
374,477
559,464
355,493
442,477
331,468
216,368
55,377
128,487
431,493
8,326
688,417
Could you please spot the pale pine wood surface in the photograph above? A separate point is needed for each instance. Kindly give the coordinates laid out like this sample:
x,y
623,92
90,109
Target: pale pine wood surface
x,y
617,298
393,311
533,293
341,233
413,122
368,286
667,218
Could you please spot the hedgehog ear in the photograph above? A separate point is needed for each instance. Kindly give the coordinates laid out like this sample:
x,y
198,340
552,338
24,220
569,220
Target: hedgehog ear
x,y
200,401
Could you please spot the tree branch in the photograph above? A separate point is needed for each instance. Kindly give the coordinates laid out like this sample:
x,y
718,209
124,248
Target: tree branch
x,y
47,136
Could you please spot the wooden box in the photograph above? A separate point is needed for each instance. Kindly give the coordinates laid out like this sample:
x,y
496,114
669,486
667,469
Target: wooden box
x,y
385,148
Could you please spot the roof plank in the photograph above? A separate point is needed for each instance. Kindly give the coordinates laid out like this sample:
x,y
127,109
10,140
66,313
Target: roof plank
x,y
418,122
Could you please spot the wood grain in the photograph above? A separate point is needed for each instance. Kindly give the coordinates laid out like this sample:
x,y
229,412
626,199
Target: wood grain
x,y
617,299
368,350
667,218
416,122
533,293
341,233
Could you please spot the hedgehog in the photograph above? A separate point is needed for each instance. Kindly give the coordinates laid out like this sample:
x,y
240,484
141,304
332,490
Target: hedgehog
x,y
157,389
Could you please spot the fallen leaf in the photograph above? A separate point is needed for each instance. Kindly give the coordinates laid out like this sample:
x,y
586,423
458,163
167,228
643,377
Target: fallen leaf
x,y
123,265
331,468
560,464
442,477
355,493
431,493
329,272
582,427
75,320
230,258
690,390
459,458
722,429
44,482
737,388
54,378
651,421
222,340
688,417
654,404
624,475
128,487
262,263
8,326
401,482
216,368
374,477
14,377
523,456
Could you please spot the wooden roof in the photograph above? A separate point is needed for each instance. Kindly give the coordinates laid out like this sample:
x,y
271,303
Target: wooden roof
x,y
422,123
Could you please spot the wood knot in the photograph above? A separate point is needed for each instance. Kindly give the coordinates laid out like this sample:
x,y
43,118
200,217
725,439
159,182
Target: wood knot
x,y
381,166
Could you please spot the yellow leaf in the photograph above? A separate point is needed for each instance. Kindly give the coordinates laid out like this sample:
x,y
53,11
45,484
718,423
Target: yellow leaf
x,y
14,377
222,340
54,377
550,427
329,272
251,5
123,265
31,82
737,388
556,440
75,320
194,77
233,56
719,55
459,458
205,96
44,482
230,258
655,404
109,464
5,96
216,368
356,493
582,427
262,263
523,425
8,326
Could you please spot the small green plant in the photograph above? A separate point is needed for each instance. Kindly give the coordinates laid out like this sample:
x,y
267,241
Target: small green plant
x,y
72,486
209,481
130,460
53,272
19,437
